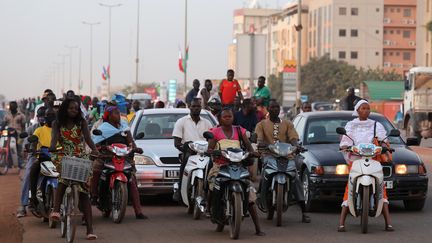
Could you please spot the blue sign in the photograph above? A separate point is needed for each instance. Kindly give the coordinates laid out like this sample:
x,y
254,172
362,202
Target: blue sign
x,y
304,98
172,90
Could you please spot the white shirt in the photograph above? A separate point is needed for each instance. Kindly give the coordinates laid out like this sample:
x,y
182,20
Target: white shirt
x,y
186,129
362,132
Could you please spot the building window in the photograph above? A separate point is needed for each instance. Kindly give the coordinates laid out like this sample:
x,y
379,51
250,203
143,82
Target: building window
x,y
427,58
342,32
342,11
398,10
385,10
384,53
406,34
392,10
385,32
407,56
397,53
398,32
354,33
354,55
391,32
407,12
341,55
354,11
376,31
376,53
391,53
377,10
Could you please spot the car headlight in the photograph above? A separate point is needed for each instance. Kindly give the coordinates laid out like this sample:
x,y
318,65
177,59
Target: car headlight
x,y
342,170
143,160
402,169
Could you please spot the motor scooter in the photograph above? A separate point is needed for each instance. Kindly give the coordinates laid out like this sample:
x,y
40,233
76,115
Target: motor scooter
x,y
366,180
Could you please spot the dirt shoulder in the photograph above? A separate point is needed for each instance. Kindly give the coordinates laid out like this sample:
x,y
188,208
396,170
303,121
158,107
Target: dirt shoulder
x,y
11,230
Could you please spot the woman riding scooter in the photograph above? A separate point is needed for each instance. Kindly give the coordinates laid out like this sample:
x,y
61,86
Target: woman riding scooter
x,y
363,130
111,128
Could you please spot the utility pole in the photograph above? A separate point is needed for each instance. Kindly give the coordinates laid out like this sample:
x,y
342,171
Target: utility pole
x,y
91,53
109,6
299,42
137,48
185,47
70,63
63,72
79,71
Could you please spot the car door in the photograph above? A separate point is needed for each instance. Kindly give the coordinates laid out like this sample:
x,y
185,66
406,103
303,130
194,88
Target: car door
x,y
299,125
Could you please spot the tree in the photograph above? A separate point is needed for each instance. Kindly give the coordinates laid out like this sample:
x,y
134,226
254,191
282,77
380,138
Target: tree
x,y
275,86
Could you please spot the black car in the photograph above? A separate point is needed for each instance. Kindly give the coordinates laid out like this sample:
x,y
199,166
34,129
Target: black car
x,y
323,168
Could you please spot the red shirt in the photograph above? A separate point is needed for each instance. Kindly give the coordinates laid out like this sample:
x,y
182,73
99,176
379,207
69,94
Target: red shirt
x,y
229,91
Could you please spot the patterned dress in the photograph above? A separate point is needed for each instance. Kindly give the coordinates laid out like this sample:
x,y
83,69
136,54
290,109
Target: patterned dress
x,y
72,145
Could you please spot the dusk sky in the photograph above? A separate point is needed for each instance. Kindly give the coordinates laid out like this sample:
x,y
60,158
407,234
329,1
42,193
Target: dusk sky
x,y
34,33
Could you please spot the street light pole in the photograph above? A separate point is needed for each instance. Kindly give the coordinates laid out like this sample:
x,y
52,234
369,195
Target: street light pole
x,y
70,64
79,71
109,6
137,48
91,53
63,71
185,47
299,49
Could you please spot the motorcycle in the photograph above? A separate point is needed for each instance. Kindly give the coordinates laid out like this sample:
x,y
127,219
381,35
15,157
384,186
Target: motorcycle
x,y
113,183
366,180
194,177
231,192
278,179
8,150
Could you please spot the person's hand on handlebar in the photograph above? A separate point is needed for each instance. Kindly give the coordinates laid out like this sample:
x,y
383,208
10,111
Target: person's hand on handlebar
x,y
138,150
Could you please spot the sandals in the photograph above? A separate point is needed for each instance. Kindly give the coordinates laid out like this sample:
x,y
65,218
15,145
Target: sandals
x,y
55,216
389,228
341,228
91,237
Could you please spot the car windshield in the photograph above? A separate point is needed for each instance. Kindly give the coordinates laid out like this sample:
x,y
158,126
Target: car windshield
x,y
323,130
161,126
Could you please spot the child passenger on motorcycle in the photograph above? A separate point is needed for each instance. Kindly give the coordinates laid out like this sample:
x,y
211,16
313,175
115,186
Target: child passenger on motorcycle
x,y
362,130
111,128
227,136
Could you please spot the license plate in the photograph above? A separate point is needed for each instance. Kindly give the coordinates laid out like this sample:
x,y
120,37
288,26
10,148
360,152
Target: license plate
x,y
172,174
389,184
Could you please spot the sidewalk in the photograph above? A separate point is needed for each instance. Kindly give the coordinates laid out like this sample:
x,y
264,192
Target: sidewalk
x,y
11,230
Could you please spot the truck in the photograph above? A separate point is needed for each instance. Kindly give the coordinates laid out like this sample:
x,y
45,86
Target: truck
x,y
417,105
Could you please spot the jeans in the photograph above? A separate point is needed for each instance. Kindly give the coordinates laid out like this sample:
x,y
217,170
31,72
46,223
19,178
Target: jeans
x,y
25,185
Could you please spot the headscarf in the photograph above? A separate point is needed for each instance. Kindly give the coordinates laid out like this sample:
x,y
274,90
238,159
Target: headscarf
x,y
357,106
108,111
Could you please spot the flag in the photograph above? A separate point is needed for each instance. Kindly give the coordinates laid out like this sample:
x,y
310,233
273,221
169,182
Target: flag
x,y
180,62
105,72
183,61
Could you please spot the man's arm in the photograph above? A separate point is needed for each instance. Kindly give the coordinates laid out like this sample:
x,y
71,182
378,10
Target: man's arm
x,y
178,144
292,134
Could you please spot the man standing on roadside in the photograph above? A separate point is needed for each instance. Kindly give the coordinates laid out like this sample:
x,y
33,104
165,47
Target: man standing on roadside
x,y
262,92
229,89
349,101
306,107
204,93
15,119
193,92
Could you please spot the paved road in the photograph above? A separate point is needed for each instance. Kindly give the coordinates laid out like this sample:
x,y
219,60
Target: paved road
x,y
169,223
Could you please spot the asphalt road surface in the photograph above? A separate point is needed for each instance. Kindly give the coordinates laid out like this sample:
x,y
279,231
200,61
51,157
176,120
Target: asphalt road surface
x,y
169,222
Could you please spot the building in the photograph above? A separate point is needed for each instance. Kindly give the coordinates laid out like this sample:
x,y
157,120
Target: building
x,y
399,50
423,37
247,21
347,30
282,38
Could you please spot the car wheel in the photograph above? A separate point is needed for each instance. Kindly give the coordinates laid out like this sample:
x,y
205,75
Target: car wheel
x,y
414,205
306,190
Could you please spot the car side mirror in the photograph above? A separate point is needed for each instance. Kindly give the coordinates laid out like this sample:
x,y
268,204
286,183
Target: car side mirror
x,y
208,135
140,135
23,135
394,133
341,131
33,139
97,132
413,141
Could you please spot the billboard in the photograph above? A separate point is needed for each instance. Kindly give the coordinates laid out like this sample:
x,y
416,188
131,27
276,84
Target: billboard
x,y
172,90
251,56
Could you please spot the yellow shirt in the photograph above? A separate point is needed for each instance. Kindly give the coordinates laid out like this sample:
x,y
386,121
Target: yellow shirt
x,y
130,116
44,136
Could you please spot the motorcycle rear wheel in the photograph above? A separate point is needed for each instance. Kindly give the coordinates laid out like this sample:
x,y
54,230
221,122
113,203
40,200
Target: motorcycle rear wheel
x,y
119,201
50,201
365,210
236,215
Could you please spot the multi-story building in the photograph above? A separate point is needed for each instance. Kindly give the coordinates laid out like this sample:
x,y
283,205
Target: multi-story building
x,y
423,36
400,17
246,21
282,38
347,30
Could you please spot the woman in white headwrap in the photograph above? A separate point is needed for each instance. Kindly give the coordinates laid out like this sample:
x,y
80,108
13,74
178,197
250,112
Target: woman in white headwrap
x,y
362,130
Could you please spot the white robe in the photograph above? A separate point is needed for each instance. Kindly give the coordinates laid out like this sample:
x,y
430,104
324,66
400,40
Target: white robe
x,y
362,132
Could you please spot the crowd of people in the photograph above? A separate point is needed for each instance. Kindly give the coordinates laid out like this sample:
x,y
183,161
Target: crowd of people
x,y
66,122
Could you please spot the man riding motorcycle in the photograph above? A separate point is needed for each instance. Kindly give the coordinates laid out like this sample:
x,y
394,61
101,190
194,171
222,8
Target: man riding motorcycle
x,y
186,129
270,131
111,129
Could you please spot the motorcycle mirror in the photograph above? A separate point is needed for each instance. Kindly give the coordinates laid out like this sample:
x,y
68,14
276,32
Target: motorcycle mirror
x,y
140,135
208,135
23,135
33,139
253,138
97,132
341,131
394,133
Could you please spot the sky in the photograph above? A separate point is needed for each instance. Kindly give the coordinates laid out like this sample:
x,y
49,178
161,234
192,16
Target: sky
x,y
35,33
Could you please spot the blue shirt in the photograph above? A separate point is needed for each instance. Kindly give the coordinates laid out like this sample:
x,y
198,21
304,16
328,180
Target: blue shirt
x,y
248,122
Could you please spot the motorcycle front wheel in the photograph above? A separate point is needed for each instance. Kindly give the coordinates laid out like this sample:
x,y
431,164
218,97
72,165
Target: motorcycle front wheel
x,y
279,203
199,192
50,205
119,201
236,214
365,209
4,167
